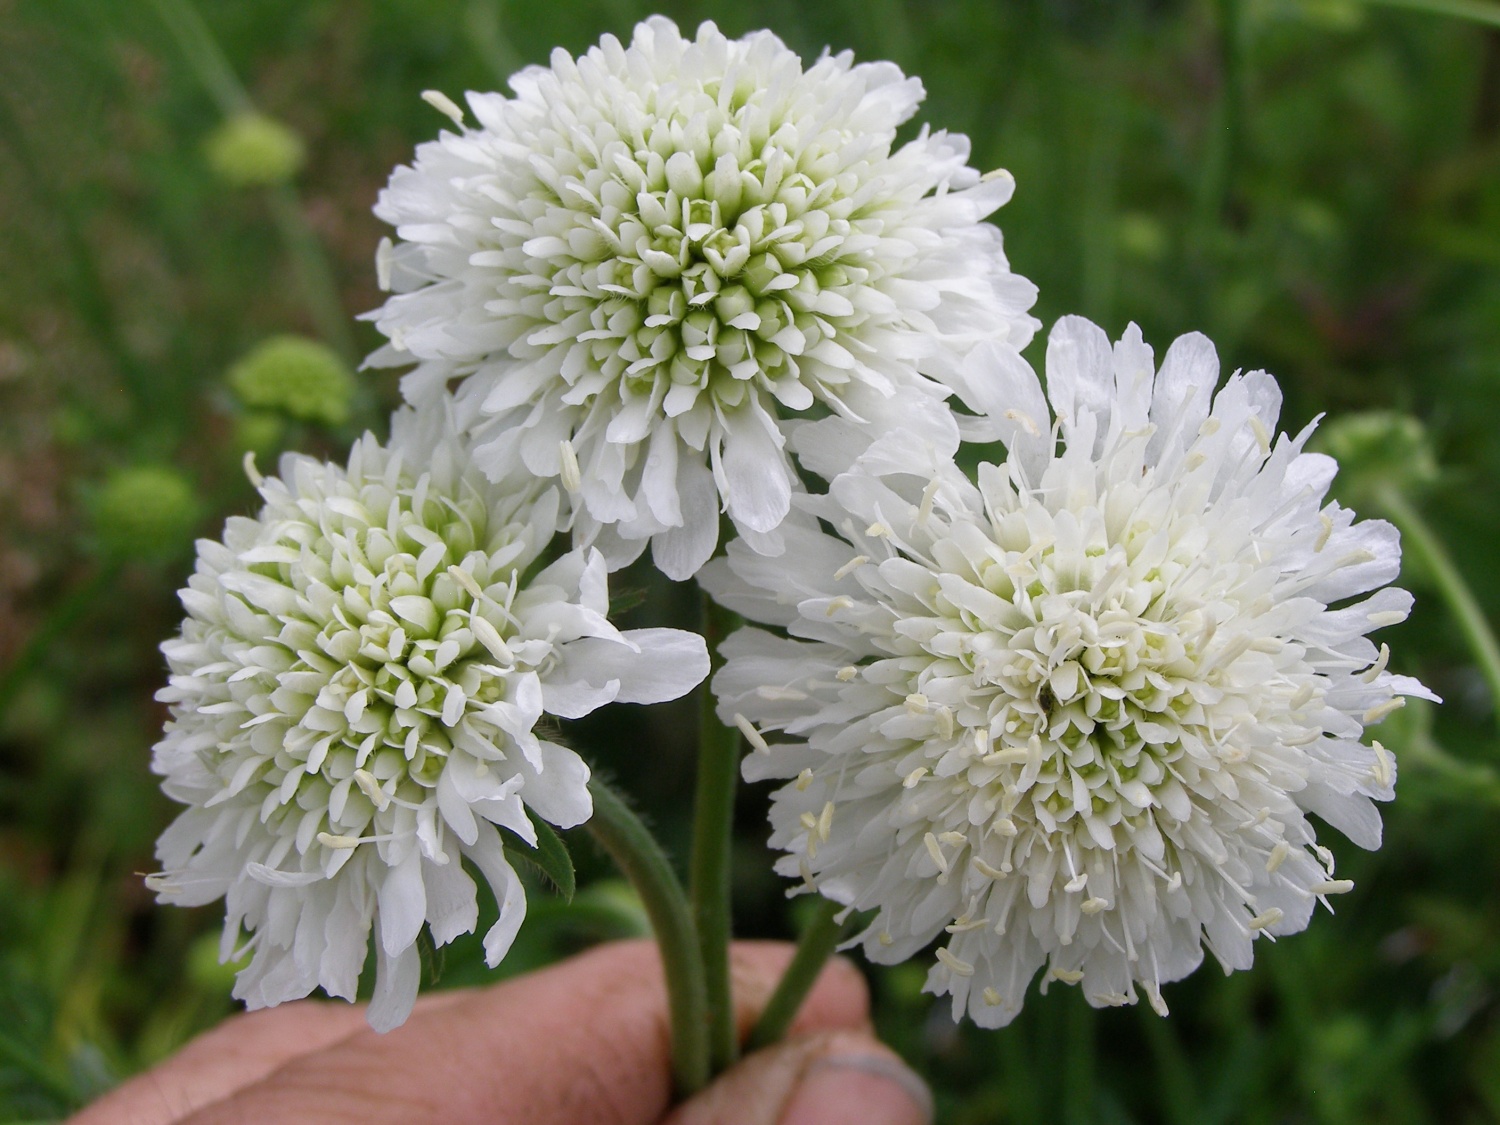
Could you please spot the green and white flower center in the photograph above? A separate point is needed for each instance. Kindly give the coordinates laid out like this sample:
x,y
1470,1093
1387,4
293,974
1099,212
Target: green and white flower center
x,y
1091,688
741,250
1088,699
394,614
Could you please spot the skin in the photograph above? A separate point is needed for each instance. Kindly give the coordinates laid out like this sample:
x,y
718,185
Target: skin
x,y
585,1041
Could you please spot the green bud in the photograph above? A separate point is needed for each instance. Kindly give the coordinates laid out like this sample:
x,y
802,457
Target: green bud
x,y
295,376
1378,449
250,150
145,511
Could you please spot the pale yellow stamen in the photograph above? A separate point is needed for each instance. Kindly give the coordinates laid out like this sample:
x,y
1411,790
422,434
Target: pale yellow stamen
x,y
444,105
1267,918
1278,856
955,966
752,736
572,475
850,567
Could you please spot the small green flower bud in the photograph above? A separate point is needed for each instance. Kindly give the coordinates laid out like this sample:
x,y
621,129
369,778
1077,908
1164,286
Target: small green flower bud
x,y
144,511
296,376
1378,449
250,150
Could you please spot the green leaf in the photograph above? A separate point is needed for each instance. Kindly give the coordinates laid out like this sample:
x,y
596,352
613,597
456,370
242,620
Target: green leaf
x,y
550,857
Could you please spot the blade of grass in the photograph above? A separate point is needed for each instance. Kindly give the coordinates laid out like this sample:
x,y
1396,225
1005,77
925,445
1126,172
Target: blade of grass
x,y
1476,10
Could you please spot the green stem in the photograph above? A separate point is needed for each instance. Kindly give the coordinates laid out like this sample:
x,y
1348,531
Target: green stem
x,y
713,838
1425,542
314,275
636,852
1480,11
814,948
203,53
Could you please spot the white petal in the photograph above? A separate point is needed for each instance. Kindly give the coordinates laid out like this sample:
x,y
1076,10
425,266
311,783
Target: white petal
x,y
489,856
1080,370
452,908
559,791
397,978
680,552
402,904
758,484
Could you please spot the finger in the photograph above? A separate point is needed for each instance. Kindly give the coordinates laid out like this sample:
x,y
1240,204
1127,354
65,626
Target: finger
x,y
586,1040
832,1078
243,1049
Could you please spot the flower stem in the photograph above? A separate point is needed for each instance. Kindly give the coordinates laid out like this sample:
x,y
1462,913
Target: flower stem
x,y
1461,601
314,273
309,261
713,837
628,842
813,950
203,54
1477,10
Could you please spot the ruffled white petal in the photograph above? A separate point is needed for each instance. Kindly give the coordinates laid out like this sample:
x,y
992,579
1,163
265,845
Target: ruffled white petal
x,y
1074,720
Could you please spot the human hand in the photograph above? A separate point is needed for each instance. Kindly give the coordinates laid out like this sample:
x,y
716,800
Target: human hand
x,y
585,1042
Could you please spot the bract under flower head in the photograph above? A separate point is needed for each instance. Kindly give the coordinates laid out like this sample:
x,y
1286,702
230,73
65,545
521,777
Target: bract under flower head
x,y
1076,716
651,254
354,702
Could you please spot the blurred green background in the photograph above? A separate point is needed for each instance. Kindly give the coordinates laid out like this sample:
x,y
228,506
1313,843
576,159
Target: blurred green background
x,y
1314,183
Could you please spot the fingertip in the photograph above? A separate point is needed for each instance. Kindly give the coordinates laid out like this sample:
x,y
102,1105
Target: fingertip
x,y
857,1081
832,1078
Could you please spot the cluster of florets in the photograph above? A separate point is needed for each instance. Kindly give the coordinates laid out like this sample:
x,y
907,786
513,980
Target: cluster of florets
x,y
1073,716
355,696
1068,717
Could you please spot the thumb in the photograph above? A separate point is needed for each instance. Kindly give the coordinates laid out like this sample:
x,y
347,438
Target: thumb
x,y
834,1078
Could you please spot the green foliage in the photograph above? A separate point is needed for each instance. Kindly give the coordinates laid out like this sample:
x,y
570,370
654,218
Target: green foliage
x,y
1314,183
550,856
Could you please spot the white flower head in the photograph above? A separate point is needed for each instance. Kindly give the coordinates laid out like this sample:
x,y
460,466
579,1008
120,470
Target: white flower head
x,y
1074,717
650,255
354,702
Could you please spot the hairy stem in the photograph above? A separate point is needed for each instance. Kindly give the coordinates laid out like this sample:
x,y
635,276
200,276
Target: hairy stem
x,y
814,948
636,852
713,837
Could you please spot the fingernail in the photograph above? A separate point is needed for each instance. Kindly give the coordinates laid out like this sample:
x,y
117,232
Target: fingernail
x,y
859,1089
